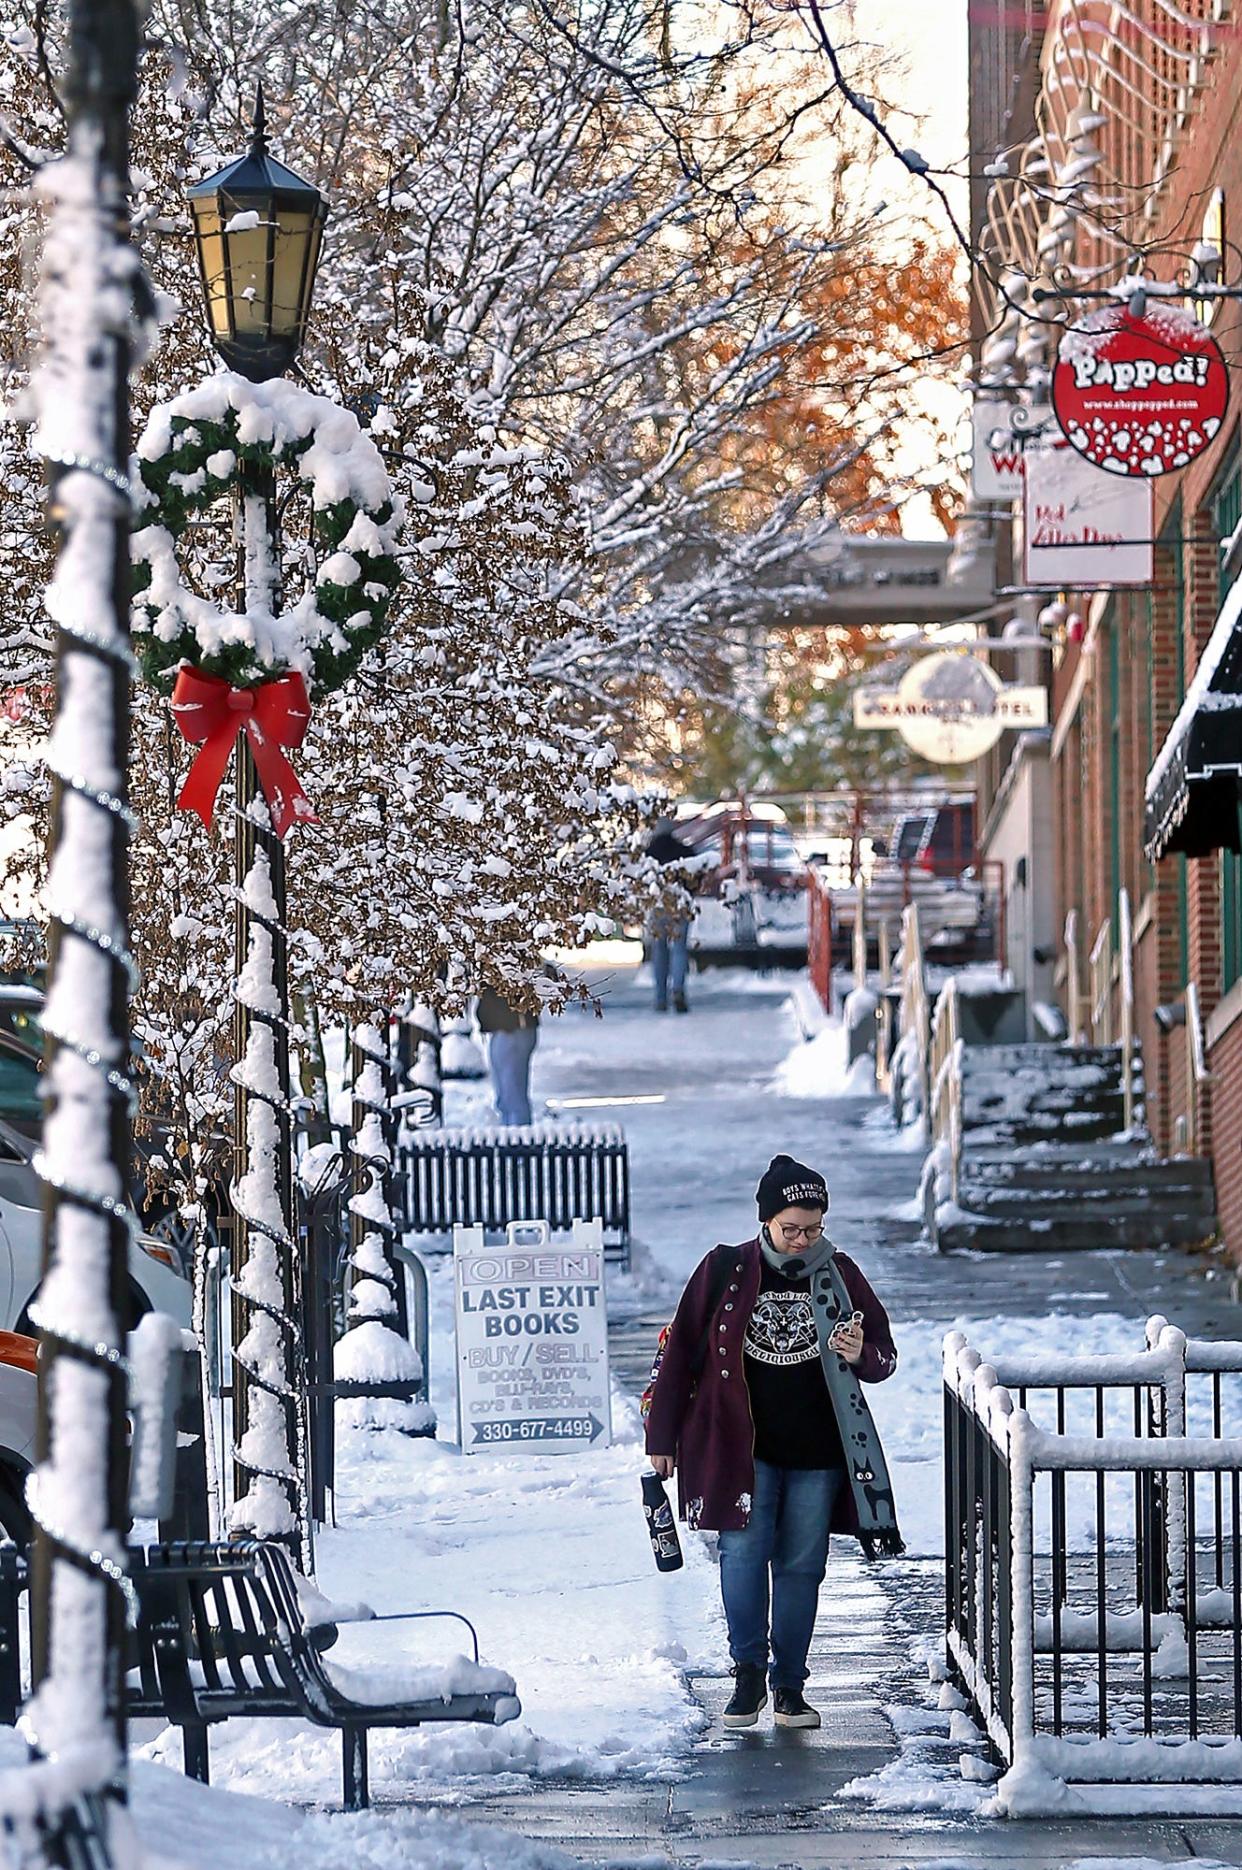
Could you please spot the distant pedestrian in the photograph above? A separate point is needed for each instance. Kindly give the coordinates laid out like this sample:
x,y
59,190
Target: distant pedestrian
x,y
758,1404
669,934
511,1040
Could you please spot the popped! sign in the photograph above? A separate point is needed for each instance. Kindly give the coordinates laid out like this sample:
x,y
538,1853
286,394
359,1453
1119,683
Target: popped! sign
x,y
1143,396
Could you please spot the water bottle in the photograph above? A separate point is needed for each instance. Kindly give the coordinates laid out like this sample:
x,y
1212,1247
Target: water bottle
x,y
661,1524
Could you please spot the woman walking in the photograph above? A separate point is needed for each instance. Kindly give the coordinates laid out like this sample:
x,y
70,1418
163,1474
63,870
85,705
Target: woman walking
x,y
758,1406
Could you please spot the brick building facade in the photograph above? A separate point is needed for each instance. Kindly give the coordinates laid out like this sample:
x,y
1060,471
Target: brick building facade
x,y
1160,98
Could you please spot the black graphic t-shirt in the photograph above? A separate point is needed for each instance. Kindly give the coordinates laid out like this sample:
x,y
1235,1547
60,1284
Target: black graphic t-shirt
x,y
795,1424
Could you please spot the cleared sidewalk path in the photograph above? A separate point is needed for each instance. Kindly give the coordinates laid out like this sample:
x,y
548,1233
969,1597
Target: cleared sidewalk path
x,y
772,1799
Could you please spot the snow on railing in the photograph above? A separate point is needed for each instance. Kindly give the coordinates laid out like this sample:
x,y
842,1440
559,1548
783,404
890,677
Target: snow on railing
x,y
1094,1609
380,1376
1073,982
1100,965
911,1086
945,1071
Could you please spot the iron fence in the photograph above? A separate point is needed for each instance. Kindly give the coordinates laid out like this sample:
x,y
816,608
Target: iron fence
x,y
1094,1577
488,1178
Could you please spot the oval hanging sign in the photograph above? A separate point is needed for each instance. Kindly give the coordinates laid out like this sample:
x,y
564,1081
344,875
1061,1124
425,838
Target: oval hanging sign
x,y
1140,396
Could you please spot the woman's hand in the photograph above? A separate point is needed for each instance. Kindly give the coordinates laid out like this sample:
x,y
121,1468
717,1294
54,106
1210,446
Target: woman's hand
x,y
663,1464
847,1341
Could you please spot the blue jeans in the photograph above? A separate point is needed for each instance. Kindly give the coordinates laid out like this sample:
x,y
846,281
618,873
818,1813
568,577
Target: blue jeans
x,y
670,961
508,1059
787,1534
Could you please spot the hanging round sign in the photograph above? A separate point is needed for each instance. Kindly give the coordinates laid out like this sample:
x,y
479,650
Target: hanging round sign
x,y
951,707
1140,396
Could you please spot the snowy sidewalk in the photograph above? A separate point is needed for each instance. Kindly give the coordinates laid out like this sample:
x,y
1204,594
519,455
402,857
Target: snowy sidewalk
x,y
879,1784
619,1757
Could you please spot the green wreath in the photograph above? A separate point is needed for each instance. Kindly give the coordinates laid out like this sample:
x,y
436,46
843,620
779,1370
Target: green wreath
x,y
190,455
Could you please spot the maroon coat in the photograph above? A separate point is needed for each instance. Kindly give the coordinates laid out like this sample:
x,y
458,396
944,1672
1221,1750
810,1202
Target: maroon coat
x,y
709,1427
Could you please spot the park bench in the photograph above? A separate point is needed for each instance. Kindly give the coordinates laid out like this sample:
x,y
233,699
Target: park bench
x,y
221,1632
488,1178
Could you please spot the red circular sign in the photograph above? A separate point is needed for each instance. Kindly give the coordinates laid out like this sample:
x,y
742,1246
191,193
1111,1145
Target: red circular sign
x,y
1140,396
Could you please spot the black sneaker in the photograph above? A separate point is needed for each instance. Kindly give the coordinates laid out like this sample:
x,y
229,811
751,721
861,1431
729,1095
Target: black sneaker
x,y
750,1694
790,1710
679,1003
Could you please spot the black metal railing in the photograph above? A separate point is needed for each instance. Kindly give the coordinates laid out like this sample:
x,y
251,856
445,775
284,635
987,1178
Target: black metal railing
x,y
1094,1577
480,1178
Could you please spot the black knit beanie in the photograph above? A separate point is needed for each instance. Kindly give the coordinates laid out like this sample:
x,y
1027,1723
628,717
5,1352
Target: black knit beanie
x,y
789,1184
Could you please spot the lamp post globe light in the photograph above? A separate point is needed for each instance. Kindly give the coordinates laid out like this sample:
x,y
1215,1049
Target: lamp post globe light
x,y
258,228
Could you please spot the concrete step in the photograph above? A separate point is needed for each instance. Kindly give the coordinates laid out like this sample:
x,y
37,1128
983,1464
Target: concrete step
x,y
1018,1085
1043,1129
1032,1176
1039,1055
1144,1225
1020,1096
1115,1204
1005,1070
1059,1159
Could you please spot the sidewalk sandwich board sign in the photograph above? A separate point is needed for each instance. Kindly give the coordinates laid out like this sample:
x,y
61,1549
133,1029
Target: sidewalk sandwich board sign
x,y
1084,526
951,707
532,1340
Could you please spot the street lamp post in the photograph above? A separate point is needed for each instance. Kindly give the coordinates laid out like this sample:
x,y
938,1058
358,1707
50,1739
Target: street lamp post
x,y
258,228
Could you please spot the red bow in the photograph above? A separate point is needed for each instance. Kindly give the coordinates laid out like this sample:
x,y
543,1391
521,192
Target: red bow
x,y
275,715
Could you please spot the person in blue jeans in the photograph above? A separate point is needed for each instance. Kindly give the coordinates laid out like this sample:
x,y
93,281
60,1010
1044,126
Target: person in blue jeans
x,y
669,935
759,1368
511,1040
670,963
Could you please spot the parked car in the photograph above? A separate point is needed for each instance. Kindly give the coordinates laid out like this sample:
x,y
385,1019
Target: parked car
x,y
940,841
158,1281
754,839
21,1111
21,1056
752,901
928,859
18,1392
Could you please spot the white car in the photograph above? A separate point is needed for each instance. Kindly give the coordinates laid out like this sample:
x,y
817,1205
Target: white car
x,y
156,1282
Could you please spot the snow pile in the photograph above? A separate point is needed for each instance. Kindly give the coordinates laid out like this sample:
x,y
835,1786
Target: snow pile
x,y
181,1825
549,1559
819,1067
930,1772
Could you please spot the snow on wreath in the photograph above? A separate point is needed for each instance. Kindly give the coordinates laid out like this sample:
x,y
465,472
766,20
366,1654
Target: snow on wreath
x,y
190,454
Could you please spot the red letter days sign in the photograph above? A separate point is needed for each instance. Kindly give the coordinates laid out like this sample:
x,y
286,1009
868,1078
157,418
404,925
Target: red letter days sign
x,y
1140,396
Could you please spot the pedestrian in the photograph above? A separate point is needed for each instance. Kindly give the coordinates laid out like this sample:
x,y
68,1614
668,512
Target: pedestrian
x,y
511,1040
758,1406
669,934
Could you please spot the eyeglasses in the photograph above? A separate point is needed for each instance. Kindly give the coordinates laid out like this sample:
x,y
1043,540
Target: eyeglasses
x,y
810,1234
